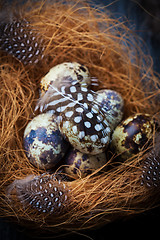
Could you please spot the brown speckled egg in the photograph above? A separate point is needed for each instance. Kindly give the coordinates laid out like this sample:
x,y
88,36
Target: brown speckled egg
x,y
43,142
81,164
66,73
111,102
131,135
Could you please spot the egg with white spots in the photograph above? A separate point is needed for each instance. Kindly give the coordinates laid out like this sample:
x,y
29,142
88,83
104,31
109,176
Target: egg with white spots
x,y
78,164
43,143
67,73
111,102
132,135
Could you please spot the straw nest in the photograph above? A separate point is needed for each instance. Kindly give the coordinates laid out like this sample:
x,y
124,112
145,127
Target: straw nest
x,y
75,31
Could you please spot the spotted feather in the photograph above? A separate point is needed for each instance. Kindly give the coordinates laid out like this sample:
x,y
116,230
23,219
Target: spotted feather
x,y
151,167
45,193
77,103
59,98
21,41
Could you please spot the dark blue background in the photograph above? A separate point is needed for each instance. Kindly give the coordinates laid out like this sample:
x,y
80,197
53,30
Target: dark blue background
x,y
144,17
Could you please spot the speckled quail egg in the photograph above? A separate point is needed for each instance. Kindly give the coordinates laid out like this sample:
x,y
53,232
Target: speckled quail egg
x,y
67,73
43,142
79,164
132,134
111,102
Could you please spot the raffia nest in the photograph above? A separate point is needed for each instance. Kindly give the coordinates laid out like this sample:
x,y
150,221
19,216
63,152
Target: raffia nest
x,y
75,31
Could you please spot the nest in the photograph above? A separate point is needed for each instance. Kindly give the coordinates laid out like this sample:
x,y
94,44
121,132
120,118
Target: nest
x,y
75,31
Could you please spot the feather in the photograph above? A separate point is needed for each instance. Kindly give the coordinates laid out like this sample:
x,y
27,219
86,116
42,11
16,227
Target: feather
x,y
45,193
94,81
20,40
80,105
151,167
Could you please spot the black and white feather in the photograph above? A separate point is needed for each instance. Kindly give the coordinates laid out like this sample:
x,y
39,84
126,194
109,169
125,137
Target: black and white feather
x,y
79,104
44,193
151,167
20,40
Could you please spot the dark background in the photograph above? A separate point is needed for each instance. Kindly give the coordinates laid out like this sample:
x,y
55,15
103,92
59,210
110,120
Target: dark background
x,y
144,18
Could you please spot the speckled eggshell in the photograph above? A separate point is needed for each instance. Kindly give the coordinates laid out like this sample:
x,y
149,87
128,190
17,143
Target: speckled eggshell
x,y
81,165
111,102
43,142
85,144
63,72
131,135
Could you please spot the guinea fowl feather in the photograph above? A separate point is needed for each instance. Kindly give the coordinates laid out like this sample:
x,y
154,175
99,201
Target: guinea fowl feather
x,y
19,39
44,193
79,104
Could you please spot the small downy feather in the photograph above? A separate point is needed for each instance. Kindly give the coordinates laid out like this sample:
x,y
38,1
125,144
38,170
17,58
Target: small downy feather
x,y
151,167
44,193
18,39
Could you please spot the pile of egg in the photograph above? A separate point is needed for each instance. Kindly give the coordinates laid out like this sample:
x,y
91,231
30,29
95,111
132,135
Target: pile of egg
x,y
75,125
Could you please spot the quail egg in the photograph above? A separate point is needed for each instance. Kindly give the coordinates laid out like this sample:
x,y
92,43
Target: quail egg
x,y
132,134
43,142
79,164
67,73
111,102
